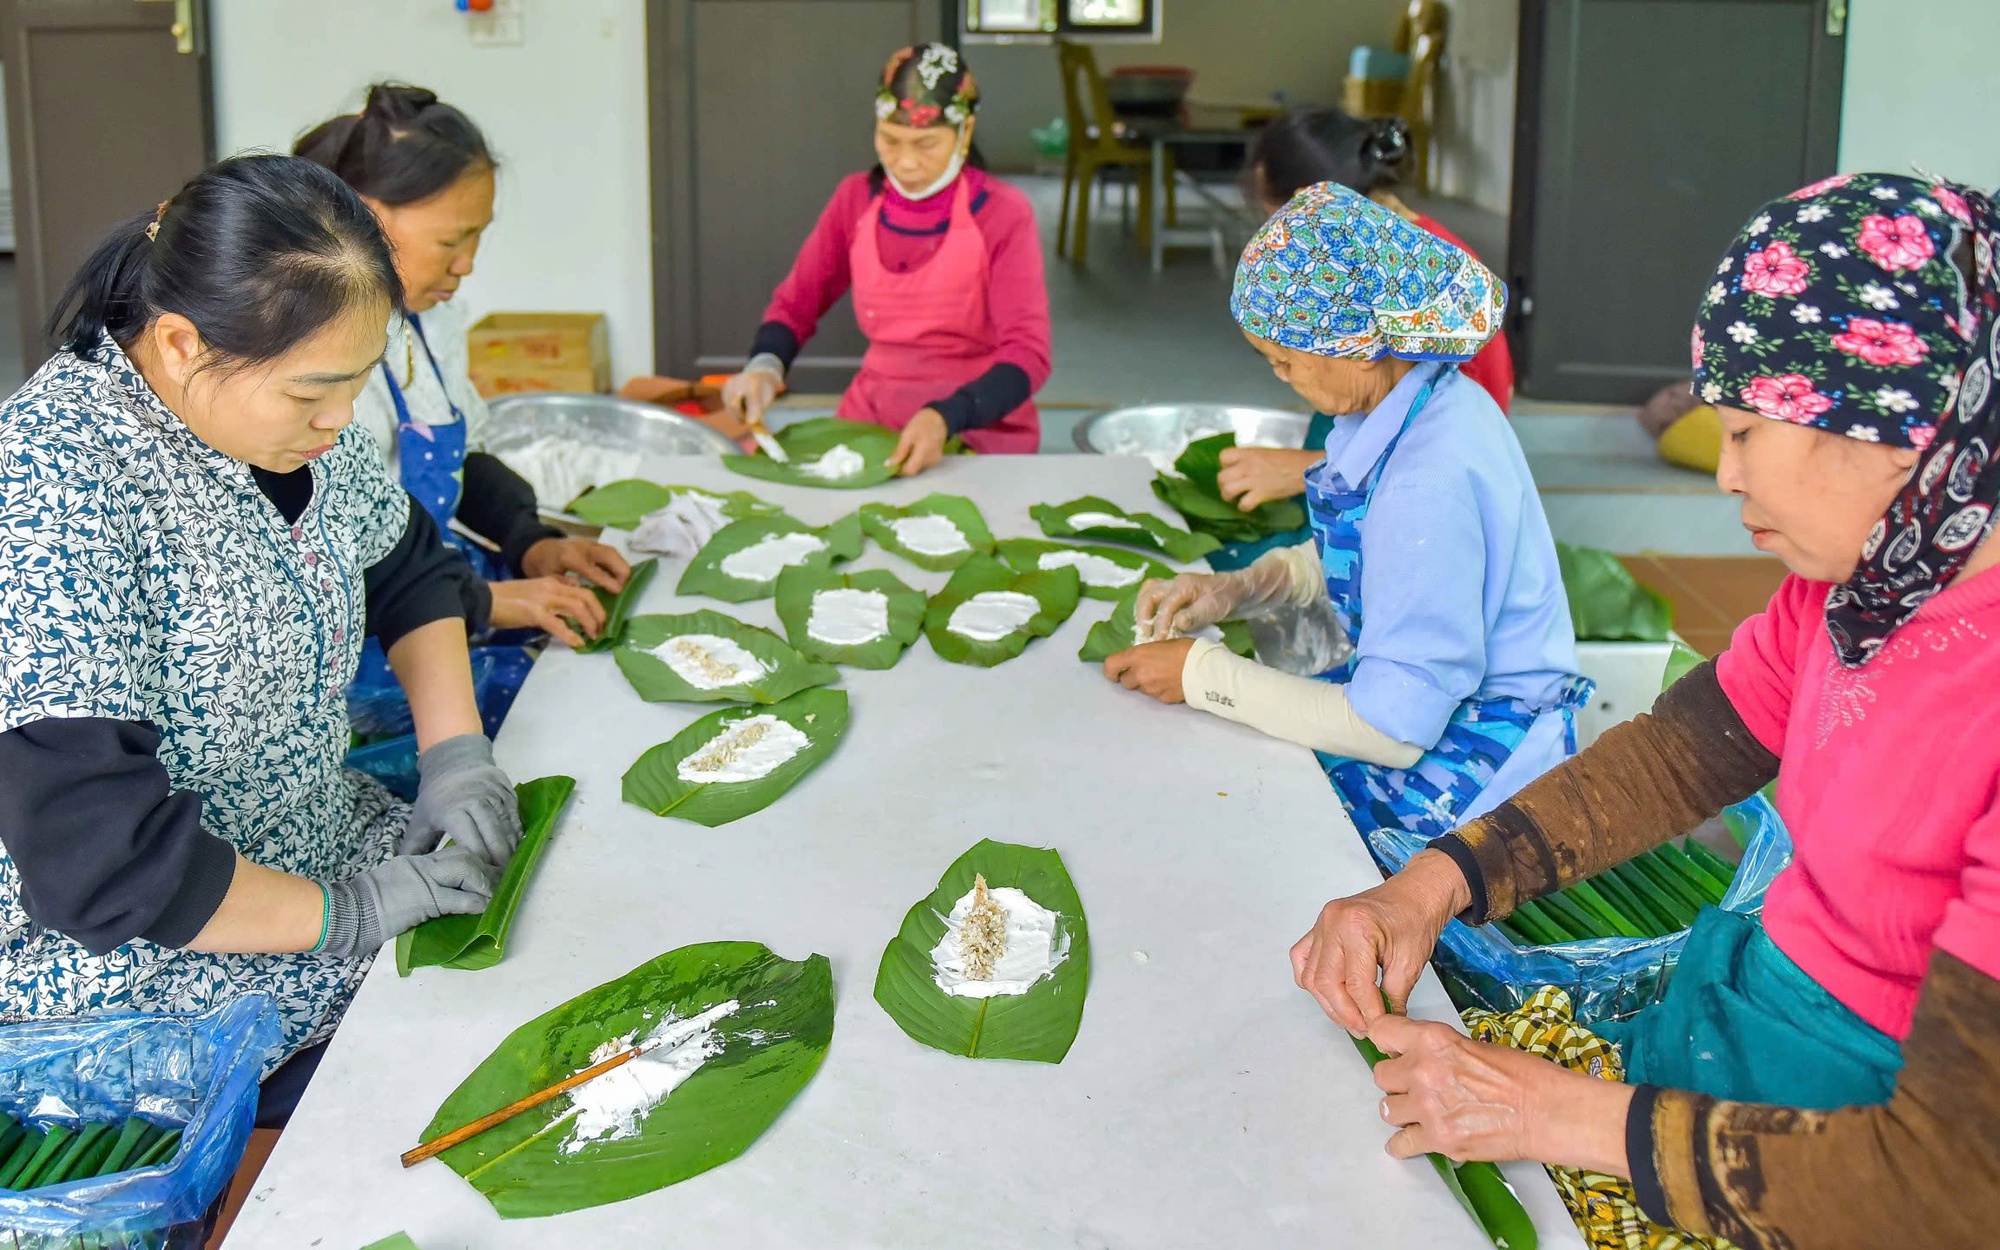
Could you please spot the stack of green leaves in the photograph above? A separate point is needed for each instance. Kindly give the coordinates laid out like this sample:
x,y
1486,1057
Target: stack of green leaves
x,y
806,442
798,594
1108,637
480,941
625,503
1606,603
771,1044
880,521
1094,517
786,672
1055,594
618,607
1192,491
31,1158
1092,564
655,783
1651,895
710,572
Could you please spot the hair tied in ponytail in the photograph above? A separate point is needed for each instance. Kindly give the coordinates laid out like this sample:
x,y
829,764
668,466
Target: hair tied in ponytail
x,y
396,103
1389,143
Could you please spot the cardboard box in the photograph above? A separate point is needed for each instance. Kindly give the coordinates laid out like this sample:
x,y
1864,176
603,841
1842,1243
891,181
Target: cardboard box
x,y
510,352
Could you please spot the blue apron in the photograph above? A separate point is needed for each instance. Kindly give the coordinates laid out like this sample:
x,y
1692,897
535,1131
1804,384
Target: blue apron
x,y
1429,798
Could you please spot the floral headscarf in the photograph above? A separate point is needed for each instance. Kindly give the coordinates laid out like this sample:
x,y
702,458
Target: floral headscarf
x,y
1844,307
1336,274
927,85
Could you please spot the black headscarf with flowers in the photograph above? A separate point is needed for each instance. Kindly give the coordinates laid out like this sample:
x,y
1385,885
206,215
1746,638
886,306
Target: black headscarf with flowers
x,y
1867,305
926,85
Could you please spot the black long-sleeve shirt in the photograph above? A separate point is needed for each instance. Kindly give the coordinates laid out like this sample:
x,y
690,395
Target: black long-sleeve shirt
x,y
499,506
106,848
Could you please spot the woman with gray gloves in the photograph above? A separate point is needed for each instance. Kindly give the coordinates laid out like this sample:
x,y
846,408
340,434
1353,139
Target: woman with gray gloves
x,y
193,545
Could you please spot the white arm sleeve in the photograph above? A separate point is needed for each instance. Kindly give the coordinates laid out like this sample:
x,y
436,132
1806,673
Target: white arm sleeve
x,y
1304,710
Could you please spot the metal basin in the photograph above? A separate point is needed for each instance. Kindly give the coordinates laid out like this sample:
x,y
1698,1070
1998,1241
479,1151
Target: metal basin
x,y
564,443
1160,432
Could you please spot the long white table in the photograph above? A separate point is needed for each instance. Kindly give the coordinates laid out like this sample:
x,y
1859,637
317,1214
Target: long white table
x,y
1206,1103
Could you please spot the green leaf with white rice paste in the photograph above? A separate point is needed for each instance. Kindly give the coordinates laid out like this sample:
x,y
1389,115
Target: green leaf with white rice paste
x,y
1117,632
770,1048
628,501
1030,555
618,607
1038,1025
1055,594
786,672
654,781
706,575
806,441
1135,529
480,941
799,588
878,520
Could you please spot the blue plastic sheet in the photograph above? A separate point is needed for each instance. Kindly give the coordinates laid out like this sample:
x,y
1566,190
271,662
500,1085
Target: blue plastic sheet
x,y
1606,978
198,1073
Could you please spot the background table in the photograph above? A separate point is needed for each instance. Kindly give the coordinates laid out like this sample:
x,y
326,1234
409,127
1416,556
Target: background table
x,y
1206,1102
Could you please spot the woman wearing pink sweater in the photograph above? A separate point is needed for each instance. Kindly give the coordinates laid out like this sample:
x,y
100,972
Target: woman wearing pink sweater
x,y
1829,1076
945,264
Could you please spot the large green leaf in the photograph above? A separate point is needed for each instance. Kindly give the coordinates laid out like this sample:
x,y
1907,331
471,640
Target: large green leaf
x,y
1037,1025
1029,555
1136,529
618,607
798,588
1057,592
770,1047
806,441
879,522
1606,602
654,781
705,574
1191,490
1681,661
1114,634
480,941
786,672
628,501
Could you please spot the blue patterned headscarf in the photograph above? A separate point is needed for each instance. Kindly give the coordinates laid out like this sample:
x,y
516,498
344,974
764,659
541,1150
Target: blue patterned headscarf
x,y
1336,274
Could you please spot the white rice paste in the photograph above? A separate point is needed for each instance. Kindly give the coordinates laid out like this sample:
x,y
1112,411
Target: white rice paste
x,y
1034,948
1101,521
929,534
726,663
560,469
1095,570
991,615
611,1106
771,555
744,751
848,618
840,461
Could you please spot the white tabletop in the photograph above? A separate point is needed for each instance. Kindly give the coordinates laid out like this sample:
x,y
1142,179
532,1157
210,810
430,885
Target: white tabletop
x,y
1206,1102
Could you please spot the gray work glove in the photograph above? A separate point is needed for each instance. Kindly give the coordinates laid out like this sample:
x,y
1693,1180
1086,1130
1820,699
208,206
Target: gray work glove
x,y
368,909
463,795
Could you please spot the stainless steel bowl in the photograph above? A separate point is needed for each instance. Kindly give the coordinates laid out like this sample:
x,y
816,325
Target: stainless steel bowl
x,y
603,420
1160,432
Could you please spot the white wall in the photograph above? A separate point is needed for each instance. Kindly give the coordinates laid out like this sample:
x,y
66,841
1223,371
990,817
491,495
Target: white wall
x,y
565,112
1923,86
1474,144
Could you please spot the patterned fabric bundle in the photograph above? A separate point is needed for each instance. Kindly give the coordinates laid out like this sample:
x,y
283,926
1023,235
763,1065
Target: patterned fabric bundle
x,y
1867,305
1336,274
927,85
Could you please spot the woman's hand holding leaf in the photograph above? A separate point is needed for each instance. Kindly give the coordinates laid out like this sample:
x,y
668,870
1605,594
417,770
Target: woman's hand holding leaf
x,y
548,604
1152,668
1390,929
1253,476
594,562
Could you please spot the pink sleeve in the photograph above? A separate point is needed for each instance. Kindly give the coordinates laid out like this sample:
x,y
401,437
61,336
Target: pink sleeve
x,y
1017,296
1759,672
1971,927
819,275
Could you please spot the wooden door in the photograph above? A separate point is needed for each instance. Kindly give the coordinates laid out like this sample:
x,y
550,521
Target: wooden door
x,y
108,112
759,109
1647,133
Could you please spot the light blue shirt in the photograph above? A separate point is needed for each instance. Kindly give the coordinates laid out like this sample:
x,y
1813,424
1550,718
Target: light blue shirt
x,y
1460,590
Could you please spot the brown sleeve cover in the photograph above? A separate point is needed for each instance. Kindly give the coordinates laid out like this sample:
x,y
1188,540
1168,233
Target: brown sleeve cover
x,y
1654,777
1922,1169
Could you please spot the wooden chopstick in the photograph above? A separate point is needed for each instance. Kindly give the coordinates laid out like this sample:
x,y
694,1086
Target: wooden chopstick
x,y
438,1145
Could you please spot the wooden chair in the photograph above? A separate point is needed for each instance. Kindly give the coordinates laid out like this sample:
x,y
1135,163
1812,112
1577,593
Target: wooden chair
x,y
1096,144
1420,35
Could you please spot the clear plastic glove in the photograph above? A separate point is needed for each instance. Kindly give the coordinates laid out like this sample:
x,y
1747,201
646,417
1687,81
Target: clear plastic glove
x,y
1193,601
748,395
681,528
463,795
367,910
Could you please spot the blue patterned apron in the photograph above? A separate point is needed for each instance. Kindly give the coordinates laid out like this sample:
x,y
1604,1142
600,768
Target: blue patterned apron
x,y
1428,798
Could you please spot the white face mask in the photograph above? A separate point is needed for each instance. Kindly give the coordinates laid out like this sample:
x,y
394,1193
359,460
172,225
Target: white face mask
x,y
951,172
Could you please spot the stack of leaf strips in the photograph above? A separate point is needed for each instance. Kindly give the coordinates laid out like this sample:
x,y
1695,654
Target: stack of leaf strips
x,y
31,1158
1651,895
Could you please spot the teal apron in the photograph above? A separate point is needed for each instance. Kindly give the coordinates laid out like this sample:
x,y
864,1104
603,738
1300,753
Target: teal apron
x,y
1428,798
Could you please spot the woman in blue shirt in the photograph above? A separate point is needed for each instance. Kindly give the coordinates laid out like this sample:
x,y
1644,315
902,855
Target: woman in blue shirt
x,y
1460,684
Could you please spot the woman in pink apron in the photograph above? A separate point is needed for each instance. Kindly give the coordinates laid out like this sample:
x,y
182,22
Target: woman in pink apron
x,y
945,264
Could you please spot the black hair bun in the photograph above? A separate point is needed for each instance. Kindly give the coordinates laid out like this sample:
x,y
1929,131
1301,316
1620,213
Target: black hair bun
x,y
397,103
1387,144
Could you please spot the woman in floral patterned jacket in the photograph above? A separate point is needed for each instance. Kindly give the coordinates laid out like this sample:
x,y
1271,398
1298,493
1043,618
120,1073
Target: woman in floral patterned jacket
x,y
193,544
